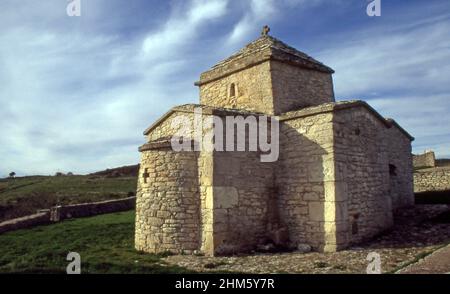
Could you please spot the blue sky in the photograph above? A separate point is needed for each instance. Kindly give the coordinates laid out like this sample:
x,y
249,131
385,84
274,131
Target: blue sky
x,y
77,92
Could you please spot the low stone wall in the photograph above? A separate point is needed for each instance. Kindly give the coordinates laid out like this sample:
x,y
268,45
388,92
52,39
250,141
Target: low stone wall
x,y
40,218
59,213
432,180
426,159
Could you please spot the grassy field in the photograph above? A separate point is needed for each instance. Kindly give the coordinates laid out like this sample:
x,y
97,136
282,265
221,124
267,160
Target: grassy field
x,y
22,196
105,244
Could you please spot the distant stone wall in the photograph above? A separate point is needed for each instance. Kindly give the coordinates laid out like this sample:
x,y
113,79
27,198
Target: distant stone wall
x,y
424,160
59,213
432,180
28,221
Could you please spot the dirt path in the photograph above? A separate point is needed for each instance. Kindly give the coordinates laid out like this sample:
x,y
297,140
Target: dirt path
x,y
436,263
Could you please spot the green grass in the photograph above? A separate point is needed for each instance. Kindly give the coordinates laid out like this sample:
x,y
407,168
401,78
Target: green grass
x,y
105,244
22,196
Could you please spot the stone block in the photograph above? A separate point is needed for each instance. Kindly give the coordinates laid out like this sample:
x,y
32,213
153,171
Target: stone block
x,y
225,197
316,211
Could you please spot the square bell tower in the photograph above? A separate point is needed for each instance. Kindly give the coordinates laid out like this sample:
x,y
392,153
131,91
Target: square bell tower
x,y
267,76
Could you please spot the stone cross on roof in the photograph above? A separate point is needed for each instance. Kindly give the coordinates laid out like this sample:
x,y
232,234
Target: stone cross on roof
x,y
265,31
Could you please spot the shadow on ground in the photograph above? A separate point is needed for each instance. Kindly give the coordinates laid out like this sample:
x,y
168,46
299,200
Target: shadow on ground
x,y
419,226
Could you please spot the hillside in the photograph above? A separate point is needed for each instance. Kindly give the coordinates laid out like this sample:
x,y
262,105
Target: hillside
x,y
123,171
25,195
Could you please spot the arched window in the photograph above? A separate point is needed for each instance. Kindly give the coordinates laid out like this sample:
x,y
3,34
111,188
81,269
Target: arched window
x,y
232,90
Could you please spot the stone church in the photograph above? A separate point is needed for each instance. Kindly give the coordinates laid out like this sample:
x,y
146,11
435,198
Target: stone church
x,y
342,171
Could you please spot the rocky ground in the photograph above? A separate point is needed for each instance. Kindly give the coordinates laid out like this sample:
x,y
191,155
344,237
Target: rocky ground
x,y
418,232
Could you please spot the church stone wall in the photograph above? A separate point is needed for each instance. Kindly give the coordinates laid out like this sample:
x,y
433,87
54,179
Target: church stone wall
x,y
309,204
233,195
295,87
341,172
242,193
168,129
239,199
342,168
253,90
271,87
363,164
400,168
167,206
194,170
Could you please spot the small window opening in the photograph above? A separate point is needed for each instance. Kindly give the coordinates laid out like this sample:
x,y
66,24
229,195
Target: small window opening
x,y
145,175
392,170
355,227
232,90
355,224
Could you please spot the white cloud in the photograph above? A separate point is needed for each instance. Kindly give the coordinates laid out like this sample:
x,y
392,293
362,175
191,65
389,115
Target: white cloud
x,y
76,95
77,101
257,14
401,70
182,28
425,117
369,61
